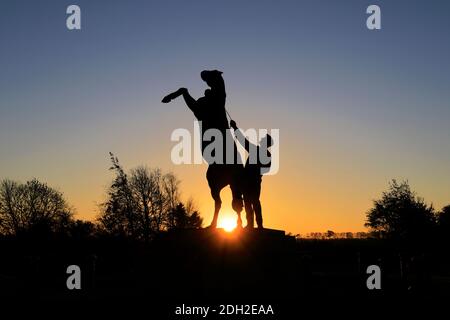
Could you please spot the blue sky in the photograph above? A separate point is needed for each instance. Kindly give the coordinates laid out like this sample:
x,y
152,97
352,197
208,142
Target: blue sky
x,y
355,107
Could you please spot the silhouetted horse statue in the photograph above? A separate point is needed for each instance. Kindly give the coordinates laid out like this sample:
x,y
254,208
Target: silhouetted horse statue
x,y
210,110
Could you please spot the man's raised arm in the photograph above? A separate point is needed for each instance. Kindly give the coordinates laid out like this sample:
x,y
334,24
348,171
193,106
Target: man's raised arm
x,y
241,138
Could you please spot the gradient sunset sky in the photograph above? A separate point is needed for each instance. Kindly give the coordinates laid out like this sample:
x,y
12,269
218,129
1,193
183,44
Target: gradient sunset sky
x,y
355,108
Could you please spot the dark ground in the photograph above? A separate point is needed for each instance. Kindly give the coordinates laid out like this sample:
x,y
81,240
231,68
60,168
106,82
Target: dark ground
x,y
200,267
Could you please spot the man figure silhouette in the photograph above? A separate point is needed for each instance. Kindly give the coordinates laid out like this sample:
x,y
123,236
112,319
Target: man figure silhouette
x,y
257,164
210,110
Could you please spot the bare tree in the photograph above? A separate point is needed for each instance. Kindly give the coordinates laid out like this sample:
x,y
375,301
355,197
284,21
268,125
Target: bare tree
x,y
32,205
141,204
171,184
147,195
9,207
171,189
117,213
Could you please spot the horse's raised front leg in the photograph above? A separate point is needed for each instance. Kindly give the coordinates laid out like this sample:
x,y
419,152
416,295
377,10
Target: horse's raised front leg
x,y
190,102
173,95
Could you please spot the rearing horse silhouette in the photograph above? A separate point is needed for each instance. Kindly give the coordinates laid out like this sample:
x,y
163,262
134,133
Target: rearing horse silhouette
x,y
210,110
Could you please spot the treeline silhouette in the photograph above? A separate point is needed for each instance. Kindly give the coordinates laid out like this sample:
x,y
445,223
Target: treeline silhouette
x,y
329,234
143,203
142,244
139,205
40,237
33,207
398,215
401,215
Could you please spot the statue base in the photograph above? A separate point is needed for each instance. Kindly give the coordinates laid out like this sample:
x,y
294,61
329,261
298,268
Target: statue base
x,y
214,262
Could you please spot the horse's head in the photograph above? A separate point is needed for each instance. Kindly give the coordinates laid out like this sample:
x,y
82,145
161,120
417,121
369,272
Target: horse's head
x,y
213,78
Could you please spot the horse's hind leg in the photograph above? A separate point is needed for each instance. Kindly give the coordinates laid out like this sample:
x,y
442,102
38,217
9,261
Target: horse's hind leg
x,y
215,193
213,175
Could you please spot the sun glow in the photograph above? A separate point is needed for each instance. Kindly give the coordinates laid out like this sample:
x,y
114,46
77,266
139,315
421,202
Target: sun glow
x,y
227,223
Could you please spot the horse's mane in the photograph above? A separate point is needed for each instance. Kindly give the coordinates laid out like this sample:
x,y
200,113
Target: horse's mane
x,y
216,81
219,84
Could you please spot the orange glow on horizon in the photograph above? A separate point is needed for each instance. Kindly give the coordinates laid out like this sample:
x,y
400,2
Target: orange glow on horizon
x,y
227,223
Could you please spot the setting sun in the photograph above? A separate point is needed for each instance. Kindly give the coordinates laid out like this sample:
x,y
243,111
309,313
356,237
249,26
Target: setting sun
x,y
228,224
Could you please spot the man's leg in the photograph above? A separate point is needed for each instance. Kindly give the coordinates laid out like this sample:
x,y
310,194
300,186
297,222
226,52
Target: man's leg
x,y
248,197
258,213
248,211
257,205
